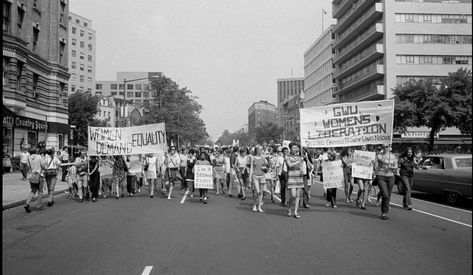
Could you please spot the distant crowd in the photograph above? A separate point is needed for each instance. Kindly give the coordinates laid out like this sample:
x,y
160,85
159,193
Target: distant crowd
x,y
285,171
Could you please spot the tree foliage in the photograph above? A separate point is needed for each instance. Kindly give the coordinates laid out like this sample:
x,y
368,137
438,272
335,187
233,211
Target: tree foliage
x,y
421,103
83,107
267,132
178,109
227,138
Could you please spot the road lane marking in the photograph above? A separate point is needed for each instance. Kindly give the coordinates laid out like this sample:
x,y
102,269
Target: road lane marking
x,y
185,196
437,216
147,270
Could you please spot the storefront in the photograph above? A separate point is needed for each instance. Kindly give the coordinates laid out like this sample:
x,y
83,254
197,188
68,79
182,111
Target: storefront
x,y
449,140
21,132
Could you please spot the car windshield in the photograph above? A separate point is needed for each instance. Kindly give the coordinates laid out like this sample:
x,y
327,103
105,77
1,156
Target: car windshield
x,y
433,162
463,162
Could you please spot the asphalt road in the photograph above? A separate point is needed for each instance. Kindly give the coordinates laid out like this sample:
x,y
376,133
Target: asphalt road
x,y
141,235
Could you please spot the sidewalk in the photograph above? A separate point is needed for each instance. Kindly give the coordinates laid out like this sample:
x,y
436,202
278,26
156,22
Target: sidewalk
x,y
16,190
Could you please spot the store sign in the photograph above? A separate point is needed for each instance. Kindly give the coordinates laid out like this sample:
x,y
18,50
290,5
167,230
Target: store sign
x,y
10,119
417,134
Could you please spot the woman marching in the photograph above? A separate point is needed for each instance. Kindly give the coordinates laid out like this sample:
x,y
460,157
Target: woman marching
x,y
363,185
120,171
407,163
387,166
271,175
219,171
295,181
203,160
242,173
258,169
191,160
150,168
347,161
94,174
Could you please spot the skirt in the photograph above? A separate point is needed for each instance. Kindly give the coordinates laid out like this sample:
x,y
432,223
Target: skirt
x,y
295,180
219,173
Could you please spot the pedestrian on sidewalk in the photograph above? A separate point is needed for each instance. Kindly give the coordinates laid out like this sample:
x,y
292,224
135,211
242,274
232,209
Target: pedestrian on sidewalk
x,y
51,166
94,175
295,181
24,163
36,180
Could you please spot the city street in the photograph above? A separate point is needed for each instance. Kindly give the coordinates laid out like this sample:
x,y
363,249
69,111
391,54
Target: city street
x,y
141,235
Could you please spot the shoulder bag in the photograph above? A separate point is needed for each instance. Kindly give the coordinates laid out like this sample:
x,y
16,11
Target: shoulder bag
x,y
50,172
35,177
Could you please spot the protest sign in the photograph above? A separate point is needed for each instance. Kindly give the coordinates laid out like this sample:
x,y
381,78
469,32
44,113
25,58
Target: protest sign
x,y
347,124
142,139
332,173
362,166
203,177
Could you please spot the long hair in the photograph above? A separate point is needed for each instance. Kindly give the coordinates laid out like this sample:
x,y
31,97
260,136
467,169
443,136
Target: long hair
x,y
404,154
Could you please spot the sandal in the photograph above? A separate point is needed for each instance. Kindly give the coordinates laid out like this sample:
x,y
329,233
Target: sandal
x,y
297,216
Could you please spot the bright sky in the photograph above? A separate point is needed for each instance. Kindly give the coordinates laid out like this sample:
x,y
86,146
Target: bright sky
x,y
229,53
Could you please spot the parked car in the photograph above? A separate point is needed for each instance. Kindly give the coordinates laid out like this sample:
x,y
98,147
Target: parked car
x,y
449,175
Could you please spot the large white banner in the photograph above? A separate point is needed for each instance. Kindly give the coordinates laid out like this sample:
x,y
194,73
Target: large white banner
x,y
362,166
203,177
347,124
142,139
332,173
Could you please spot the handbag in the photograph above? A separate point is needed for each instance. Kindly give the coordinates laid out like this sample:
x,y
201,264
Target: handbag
x,y
50,172
35,178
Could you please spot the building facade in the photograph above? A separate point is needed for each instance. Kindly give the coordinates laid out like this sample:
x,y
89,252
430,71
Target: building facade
x,y
290,110
287,88
35,74
260,113
379,44
81,54
319,85
107,111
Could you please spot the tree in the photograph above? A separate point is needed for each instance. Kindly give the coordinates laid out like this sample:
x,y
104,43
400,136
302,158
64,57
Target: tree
x,y
267,132
420,103
82,109
178,109
227,138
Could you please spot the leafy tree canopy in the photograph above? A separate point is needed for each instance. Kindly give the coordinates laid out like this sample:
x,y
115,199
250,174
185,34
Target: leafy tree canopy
x,y
267,132
83,107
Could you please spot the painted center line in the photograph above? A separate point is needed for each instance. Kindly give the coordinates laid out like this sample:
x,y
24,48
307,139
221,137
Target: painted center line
x,y
147,270
185,196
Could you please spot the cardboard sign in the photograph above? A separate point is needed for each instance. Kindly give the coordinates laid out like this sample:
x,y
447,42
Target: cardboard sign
x,y
203,177
139,140
362,166
332,173
347,124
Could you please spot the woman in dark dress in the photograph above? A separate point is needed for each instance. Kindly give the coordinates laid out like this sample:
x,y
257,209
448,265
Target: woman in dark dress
x,y
94,183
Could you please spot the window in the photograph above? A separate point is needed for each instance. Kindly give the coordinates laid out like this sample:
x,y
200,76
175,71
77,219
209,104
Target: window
x,y
62,49
129,86
90,36
137,94
85,24
74,41
74,30
129,94
89,79
6,16
114,93
121,93
89,47
5,71
81,33
77,21
73,88
35,85
98,86
62,13
35,35
21,15
82,44
81,66
121,87
33,138
113,86
81,79
89,69
154,94
73,76
19,72
74,53
62,93
145,94
137,86
89,58
82,56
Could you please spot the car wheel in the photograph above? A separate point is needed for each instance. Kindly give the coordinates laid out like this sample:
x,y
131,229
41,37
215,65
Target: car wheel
x,y
452,197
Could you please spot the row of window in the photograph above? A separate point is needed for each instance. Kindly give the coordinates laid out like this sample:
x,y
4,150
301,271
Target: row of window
x,y
81,78
82,33
81,89
78,21
81,67
82,55
433,59
99,86
433,39
432,18
436,80
363,72
82,44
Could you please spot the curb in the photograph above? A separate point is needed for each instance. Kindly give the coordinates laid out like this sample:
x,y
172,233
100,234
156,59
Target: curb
x,y
23,202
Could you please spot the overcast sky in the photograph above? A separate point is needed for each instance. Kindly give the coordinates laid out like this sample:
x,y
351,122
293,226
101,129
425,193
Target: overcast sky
x,y
229,53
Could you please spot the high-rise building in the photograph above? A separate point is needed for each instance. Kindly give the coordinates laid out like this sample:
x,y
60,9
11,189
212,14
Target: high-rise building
x,y
260,113
289,95
81,54
319,84
35,75
379,44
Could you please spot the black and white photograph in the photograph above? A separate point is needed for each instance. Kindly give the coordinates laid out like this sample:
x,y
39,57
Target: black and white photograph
x,y
225,137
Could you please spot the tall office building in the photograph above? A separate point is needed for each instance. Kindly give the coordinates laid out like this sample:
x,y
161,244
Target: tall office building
x,y
35,77
319,84
260,113
379,44
81,54
287,88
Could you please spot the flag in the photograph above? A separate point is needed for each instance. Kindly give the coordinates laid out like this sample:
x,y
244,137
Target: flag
x,y
323,10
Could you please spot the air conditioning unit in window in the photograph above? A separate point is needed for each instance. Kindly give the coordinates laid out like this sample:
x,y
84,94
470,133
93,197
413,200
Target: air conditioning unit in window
x,y
27,39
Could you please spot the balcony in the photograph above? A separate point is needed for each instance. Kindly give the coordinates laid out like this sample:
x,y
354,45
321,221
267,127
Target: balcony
x,y
368,56
338,9
374,71
374,33
374,92
357,10
370,16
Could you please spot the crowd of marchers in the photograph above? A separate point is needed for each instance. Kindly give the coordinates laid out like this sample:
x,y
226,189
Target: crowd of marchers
x,y
237,172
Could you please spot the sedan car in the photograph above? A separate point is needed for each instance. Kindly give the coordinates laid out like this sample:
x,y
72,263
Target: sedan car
x,y
449,175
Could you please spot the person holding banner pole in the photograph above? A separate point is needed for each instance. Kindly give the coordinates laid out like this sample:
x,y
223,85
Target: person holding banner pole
x,y
295,181
387,166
